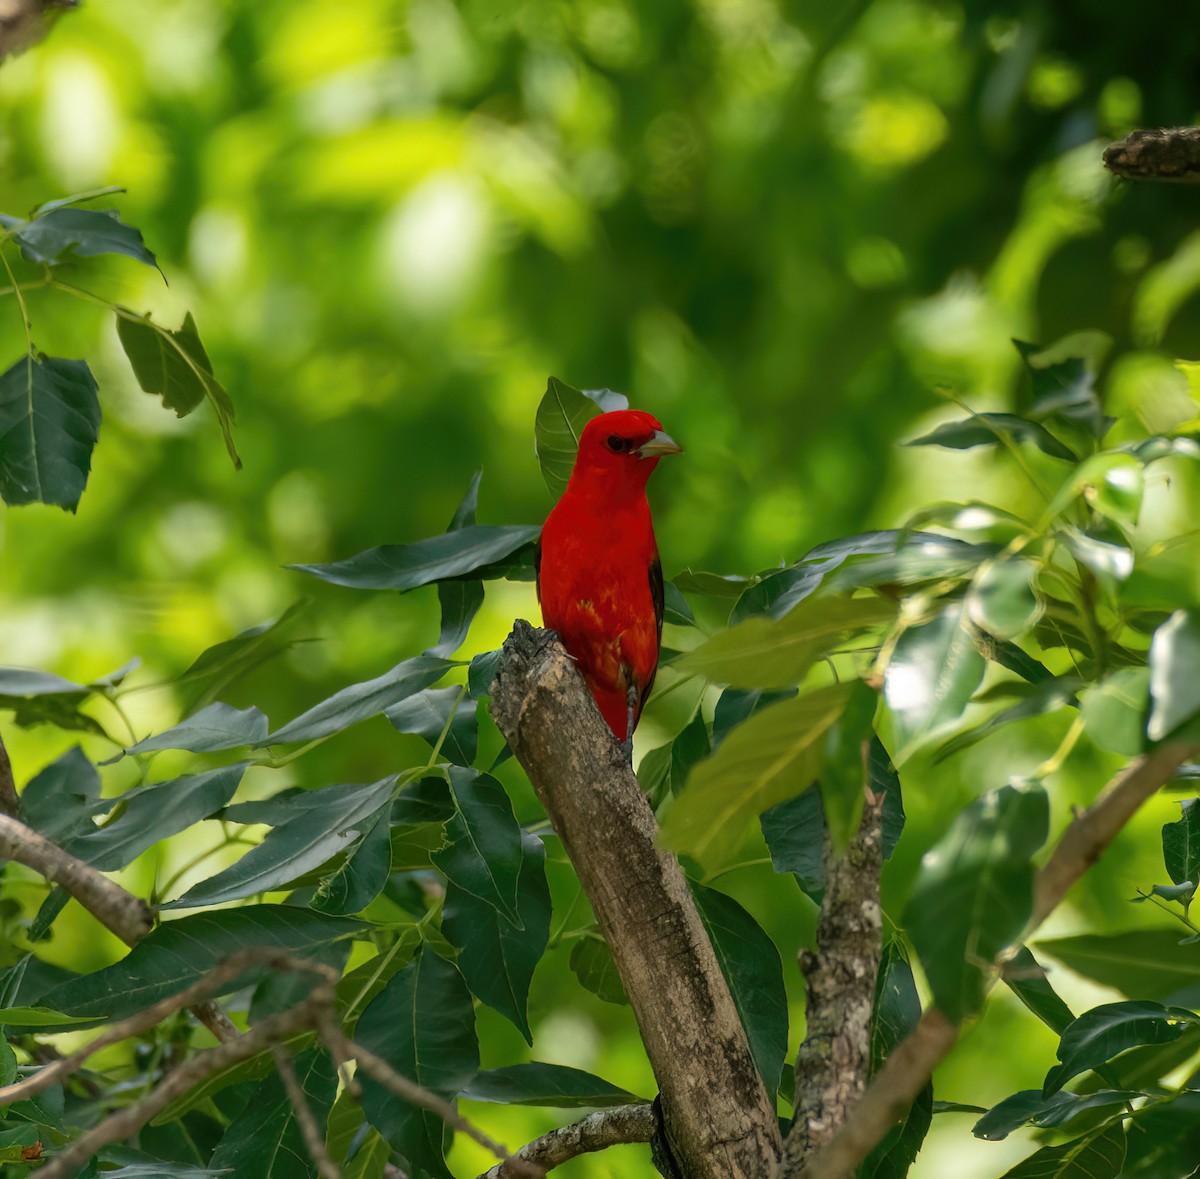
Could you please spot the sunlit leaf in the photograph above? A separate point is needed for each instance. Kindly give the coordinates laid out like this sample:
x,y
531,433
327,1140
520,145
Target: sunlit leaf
x,y
1047,696
561,416
1114,710
1002,600
1174,684
990,429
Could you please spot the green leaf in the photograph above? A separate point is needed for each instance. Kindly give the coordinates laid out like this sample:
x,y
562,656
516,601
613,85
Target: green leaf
x,y
406,566
1029,1107
427,800
1027,980
1110,1029
771,757
1064,389
713,585
550,1085
990,429
1140,963
482,673
663,771
763,653
35,1017
173,365
795,835
49,423
751,966
561,416
738,704
435,711
675,607
59,230
211,729
1181,844
176,953
1002,600
8,1062
484,856
1098,1156
362,877
1105,552
975,893
334,818
360,701
423,1025
1110,484
264,1140
459,600
1114,710
592,963
496,957
58,802
358,988
150,814
930,678
932,558
896,1151
1174,685
844,766
1047,696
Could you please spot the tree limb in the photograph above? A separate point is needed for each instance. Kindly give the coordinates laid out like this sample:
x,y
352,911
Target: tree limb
x,y
604,1128
911,1064
24,23
1157,153
719,1122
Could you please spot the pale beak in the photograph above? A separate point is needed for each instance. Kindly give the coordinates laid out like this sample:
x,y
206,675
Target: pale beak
x,y
660,443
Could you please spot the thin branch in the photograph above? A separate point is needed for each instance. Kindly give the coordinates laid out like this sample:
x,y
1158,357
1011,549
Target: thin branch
x,y
129,917
911,1064
314,1140
606,1127
10,804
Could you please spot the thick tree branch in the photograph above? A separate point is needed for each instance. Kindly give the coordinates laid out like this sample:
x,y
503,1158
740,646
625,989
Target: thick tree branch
x,y
606,1127
24,23
834,1061
1157,153
905,1072
719,1121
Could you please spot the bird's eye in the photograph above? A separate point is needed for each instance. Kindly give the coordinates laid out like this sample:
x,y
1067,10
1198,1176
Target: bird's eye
x,y
616,443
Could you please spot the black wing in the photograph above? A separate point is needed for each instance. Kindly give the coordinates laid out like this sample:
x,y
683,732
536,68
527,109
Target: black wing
x,y
537,571
657,596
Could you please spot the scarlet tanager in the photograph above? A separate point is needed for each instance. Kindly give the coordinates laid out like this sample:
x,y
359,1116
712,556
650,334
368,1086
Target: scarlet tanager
x,y
599,578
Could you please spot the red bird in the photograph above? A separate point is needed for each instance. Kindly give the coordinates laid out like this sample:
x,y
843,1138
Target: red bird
x,y
599,578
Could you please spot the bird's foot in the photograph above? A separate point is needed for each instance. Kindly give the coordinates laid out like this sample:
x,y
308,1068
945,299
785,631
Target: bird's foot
x,y
627,748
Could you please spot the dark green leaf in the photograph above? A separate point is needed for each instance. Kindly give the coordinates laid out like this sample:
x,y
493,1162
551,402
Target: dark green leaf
x,y
975,894
1110,1029
422,1023
554,1085
1011,657
173,365
58,803
1099,1156
1174,685
437,711
897,1150
265,1140
359,701
795,836
49,423
751,966
211,729
763,653
484,856
592,963
1064,389
427,800
1140,963
57,232
663,771
930,678
406,566
460,602
883,779
8,1062
1027,980
177,953
713,585
675,607
336,817
481,673
1029,1107
1114,710
738,704
362,877
1181,844
561,416
497,958
844,766
769,758
990,429
1002,600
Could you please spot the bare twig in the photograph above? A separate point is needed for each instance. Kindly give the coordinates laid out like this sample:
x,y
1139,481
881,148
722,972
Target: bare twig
x,y
129,917
604,1128
1157,153
10,804
839,979
719,1123
314,1140
911,1064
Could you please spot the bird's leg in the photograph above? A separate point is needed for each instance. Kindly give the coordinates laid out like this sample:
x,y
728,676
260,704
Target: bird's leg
x,y
631,700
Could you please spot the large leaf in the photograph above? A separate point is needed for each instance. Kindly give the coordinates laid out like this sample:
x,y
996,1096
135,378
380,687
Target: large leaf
x,y
751,966
561,416
1110,1029
173,365
1140,963
1027,980
843,767
1181,844
334,818
1174,685
1114,710
359,701
1002,600
1064,389
1030,1108
459,600
406,566
59,231
423,1025
362,877
663,771
592,963
211,729
498,958
49,423
1098,1156
991,429
447,715
763,653
264,1140
1048,696
975,893
554,1085
771,757
795,835
177,953
931,675
58,802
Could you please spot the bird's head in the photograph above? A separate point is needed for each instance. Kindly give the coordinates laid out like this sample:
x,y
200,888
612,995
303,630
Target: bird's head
x,y
622,447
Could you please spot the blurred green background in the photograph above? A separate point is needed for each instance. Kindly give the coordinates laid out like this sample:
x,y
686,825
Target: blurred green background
x,y
791,231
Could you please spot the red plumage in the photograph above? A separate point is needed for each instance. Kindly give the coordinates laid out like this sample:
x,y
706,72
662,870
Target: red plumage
x,y
599,578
